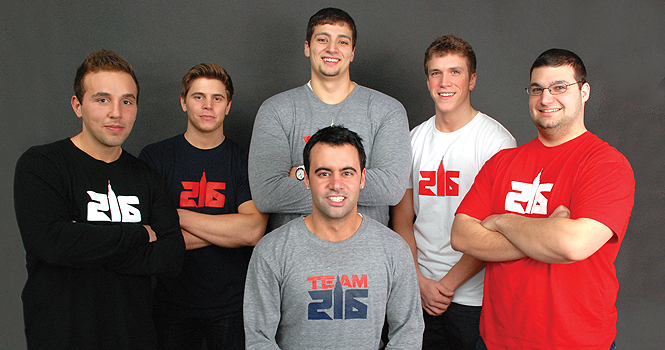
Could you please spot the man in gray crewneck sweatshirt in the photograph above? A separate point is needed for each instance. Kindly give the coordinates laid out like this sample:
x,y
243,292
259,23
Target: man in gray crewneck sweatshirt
x,y
329,280
285,122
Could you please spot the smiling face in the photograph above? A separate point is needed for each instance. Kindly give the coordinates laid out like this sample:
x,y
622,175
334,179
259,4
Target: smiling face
x,y
330,50
108,112
206,105
560,116
450,83
335,179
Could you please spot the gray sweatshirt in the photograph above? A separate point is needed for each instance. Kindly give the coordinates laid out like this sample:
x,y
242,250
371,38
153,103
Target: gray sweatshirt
x,y
303,292
286,120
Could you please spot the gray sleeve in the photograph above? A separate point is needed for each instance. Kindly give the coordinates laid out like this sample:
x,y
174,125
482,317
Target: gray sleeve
x,y
390,162
273,191
404,313
261,305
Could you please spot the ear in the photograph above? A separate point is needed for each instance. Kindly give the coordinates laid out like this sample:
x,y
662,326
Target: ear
x,y
76,106
353,54
586,90
472,81
228,108
306,48
362,179
183,104
306,180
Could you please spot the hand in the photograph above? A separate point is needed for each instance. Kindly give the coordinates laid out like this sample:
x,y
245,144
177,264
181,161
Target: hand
x,y
434,296
490,222
561,212
151,233
292,172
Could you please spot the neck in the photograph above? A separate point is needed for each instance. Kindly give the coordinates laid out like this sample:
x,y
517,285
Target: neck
x,y
204,140
106,154
556,137
454,120
332,90
333,230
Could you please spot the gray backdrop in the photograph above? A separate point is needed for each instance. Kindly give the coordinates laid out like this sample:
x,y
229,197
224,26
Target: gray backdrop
x,y
261,46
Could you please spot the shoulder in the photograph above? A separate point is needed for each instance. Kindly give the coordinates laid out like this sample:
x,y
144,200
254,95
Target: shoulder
x,y
278,239
377,98
388,238
600,152
161,146
47,153
286,97
493,128
422,128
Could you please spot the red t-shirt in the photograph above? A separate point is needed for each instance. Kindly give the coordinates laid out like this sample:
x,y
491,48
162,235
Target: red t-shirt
x,y
529,304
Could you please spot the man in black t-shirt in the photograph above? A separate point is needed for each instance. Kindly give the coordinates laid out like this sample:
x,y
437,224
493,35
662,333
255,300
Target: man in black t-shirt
x,y
207,177
96,223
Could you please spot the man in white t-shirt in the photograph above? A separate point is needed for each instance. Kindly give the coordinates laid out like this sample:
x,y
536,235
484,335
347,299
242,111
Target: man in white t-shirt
x,y
448,151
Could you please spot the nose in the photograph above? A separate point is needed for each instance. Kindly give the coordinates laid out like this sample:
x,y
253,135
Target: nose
x,y
445,79
546,97
335,182
115,111
207,103
332,46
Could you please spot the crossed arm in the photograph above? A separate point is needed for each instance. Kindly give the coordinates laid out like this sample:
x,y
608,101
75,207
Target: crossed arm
x,y
557,239
225,230
435,295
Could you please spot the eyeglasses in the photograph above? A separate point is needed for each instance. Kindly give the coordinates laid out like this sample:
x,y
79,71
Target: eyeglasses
x,y
556,89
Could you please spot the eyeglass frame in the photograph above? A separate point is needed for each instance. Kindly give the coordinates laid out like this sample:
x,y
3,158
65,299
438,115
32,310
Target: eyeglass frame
x,y
528,88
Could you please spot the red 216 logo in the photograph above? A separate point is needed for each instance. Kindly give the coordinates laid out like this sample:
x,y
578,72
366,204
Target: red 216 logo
x,y
206,193
442,179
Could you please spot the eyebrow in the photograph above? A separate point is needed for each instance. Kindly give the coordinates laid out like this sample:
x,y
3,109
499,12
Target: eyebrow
x,y
328,169
106,94
203,93
552,83
329,35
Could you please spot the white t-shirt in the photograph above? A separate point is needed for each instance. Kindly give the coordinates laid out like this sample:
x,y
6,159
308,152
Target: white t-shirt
x,y
443,169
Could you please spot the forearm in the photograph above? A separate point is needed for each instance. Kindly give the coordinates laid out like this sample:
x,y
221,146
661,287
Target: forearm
x,y
462,271
403,216
470,237
388,164
555,240
193,242
225,230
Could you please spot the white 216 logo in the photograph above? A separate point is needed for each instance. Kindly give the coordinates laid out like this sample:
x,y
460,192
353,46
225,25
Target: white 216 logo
x,y
529,193
119,207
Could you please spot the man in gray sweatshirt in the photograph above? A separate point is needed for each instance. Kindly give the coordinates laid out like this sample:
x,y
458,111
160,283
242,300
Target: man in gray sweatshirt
x,y
287,120
331,278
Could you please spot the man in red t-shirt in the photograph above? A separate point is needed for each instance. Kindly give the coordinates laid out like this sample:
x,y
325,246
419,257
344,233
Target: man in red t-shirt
x,y
549,217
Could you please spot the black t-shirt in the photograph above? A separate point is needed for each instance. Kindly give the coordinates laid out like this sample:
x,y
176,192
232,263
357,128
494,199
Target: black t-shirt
x,y
212,181
88,255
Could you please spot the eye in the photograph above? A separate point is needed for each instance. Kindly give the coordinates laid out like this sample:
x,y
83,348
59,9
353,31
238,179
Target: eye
x,y
102,100
456,72
434,73
218,98
558,87
536,90
128,102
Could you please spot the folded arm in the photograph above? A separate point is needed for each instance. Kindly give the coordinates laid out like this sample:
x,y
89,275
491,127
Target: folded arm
x,y
556,239
244,228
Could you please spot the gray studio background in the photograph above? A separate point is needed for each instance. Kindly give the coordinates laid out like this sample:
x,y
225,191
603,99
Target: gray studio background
x,y
260,43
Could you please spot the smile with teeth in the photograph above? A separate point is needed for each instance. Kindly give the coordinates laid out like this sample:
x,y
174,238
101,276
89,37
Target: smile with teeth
x,y
550,110
331,60
446,94
336,199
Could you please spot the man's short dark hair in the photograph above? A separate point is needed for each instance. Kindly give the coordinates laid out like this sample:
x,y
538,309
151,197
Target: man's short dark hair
x,y
102,60
331,15
210,71
448,44
561,57
335,135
